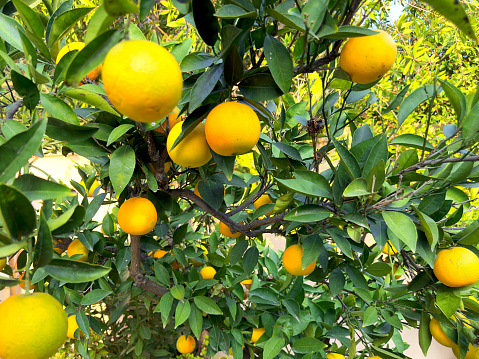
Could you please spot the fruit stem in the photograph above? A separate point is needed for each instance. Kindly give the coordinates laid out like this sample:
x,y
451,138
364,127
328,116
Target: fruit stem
x,y
27,268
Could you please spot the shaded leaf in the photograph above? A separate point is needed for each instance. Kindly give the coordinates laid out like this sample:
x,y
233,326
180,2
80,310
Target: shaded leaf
x,y
16,213
122,166
74,271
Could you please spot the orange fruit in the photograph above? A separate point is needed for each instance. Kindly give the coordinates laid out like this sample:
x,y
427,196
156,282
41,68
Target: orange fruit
x,y
35,326
334,356
76,247
456,267
208,272
261,201
247,283
439,334
472,352
367,58
232,128
92,75
375,357
137,216
292,261
257,333
225,231
72,326
172,120
142,80
160,253
22,284
193,150
389,249
92,189
3,263
185,345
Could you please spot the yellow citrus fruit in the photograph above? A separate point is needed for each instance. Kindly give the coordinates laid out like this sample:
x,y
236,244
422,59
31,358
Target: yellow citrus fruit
x,y
389,249
92,75
76,247
257,333
92,189
225,231
137,216
232,128
375,357
160,253
172,120
3,263
292,261
439,334
367,58
72,326
208,272
247,283
456,267
193,150
142,80
472,352
37,326
334,356
261,201
185,345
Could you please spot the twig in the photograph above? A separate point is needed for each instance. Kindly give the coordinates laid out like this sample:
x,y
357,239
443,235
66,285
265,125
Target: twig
x,y
13,110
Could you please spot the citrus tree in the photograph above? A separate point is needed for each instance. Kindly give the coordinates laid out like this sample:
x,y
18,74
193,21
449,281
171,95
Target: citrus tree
x,y
180,264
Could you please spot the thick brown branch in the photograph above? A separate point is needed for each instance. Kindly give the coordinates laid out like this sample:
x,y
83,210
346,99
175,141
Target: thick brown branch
x,y
135,270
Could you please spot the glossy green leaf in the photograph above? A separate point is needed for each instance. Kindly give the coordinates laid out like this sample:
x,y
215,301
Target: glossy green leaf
x,y
166,302
230,11
73,222
263,296
30,18
250,259
279,62
402,226
237,251
397,100
260,87
44,244
233,68
347,31
288,150
63,131
312,248
379,269
457,98
99,23
336,281
182,313
181,50
90,98
411,140
87,148
448,299
145,8
26,89
425,336
10,31
412,101
207,305
206,23
204,85
64,22
122,166
350,162
58,108
291,20
273,347
429,226
196,321
178,292
16,213
10,249
118,132
357,188
197,61
74,271
308,213
407,159
95,296
370,316
117,8
357,278
313,14
376,177
93,207
470,123
307,345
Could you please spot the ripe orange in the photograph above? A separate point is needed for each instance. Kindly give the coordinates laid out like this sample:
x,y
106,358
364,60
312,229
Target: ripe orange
x,y
76,247
389,249
3,263
37,326
292,261
472,352
185,345
142,80
160,253
261,201
225,231
137,216
72,326
247,283
92,75
22,284
334,356
375,357
193,150
208,272
257,333
232,128
172,120
367,58
456,267
439,334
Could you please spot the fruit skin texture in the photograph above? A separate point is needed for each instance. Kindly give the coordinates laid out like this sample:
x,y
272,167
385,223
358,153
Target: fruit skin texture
x,y
142,80
456,267
374,357
3,263
37,326
292,261
334,356
225,231
72,326
257,333
367,58
261,201
92,75
208,272
76,247
193,150
439,334
472,352
137,216
185,345
172,120
232,128
389,249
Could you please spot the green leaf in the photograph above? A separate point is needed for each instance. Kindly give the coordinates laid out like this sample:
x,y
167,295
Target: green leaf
x,y
308,213
93,207
250,259
16,212
37,188
18,149
347,31
205,21
429,226
279,61
412,101
305,187
207,305
196,321
350,162
99,23
204,85
10,249
230,11
402,226
336,281
90,98
44,245
181,50
74,271
117,8
370,316
379,269
237,251
182,313
273,347
198,61
357,188
307,345
260,87
312,248
357,278
448,299
288,150
63,131
178,292
122,166
397,100
457,98
118,132
10,31
453,10
26,89
166,302
407,159
87,148
63,23
411,140
263,296
313,14
95,296
58,108
91,56
470,124
29,17
425,336
292,20
233,69
72,222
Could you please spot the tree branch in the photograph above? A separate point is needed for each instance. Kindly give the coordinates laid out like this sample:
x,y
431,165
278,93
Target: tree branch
x,y
13,110
427,163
